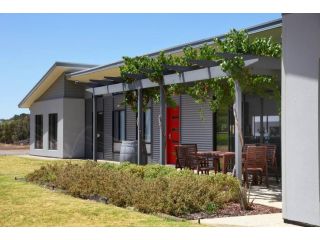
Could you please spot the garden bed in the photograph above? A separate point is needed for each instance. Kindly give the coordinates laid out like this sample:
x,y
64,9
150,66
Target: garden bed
x,y
149,189
232,210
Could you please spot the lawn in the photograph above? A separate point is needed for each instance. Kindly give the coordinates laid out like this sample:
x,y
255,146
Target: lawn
x,y
26,204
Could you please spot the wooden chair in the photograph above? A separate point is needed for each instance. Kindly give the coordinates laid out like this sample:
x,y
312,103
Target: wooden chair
x,y
256,163
272,160
228,162
187,158
181,157
245,147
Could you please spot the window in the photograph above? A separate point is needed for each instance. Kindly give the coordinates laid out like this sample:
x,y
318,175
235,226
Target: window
x,y
147,125
224,130
53,131
119,126
39,131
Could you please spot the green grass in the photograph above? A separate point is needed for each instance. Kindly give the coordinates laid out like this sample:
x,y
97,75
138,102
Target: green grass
x,y
26,204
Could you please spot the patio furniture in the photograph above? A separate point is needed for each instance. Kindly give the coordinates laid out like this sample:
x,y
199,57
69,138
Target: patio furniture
x,y
256,163
211,159
272,160
181,157
245,146
187,157
228,162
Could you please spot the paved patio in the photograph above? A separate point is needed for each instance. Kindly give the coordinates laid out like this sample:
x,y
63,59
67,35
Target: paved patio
x,y
265,196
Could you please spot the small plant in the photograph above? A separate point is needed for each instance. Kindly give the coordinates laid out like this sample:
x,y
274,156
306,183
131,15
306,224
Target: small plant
x,y
244,198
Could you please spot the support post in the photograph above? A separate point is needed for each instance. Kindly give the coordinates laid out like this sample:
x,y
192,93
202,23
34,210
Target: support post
x,y
94,126
261,132
140,126
237,110
162,125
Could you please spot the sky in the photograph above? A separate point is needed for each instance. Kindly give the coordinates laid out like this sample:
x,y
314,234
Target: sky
x,y
31,43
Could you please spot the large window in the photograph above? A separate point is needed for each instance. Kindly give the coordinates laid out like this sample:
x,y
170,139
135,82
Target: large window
x,y
38,131
53,131
119,125
147,125
224,130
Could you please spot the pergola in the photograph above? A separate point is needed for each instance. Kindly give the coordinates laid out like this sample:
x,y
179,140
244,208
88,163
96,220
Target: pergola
x,y
199,70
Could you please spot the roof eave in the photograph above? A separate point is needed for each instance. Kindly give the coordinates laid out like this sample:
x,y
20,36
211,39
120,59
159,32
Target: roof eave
x,y
251,30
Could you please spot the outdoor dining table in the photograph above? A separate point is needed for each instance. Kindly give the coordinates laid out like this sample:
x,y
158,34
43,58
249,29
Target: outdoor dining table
x,y
216,156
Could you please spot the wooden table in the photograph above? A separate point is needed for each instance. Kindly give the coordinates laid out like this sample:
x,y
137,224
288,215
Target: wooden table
x,y
228,159
212,157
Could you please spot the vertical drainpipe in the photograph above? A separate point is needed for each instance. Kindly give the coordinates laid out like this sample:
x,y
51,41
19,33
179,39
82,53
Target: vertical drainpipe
x,y
94,128
139,123
238,132
162,125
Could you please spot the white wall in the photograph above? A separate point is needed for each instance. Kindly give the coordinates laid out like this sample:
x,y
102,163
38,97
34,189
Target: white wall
x,y
300,117
74,128
45,108
71,127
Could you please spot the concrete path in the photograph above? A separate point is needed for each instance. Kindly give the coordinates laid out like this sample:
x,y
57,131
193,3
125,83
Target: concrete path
x,y
14,152
264,220
271,197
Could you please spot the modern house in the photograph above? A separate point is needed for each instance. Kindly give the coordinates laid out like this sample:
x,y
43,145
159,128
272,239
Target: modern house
x,y
72,118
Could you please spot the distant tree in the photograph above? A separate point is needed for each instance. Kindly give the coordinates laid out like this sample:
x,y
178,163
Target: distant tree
x,y
14,129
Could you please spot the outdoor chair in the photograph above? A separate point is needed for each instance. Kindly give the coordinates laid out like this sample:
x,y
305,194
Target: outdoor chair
x,y
187,157
228,162
256,163
272,160
181,157
245,147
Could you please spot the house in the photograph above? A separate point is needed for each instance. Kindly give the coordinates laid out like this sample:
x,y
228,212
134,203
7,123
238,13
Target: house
x,y
66,112
71,131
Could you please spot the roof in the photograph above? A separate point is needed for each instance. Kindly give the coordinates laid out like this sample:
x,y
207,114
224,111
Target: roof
x,y
87,72
49,78
113,68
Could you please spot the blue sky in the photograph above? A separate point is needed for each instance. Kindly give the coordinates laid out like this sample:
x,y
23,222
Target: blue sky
x,y
31,43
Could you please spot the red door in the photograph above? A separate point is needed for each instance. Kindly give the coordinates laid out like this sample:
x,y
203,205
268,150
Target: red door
x,y
173,133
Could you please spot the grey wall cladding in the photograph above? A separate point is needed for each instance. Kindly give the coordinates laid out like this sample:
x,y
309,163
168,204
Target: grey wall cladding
x,y
195,127
72,90
63,88
155,134
88,130
56,90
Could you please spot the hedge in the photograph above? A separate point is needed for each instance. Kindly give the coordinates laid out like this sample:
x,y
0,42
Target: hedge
x,y
149,189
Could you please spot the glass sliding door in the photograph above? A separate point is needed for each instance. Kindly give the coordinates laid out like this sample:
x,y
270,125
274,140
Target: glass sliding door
x,y
261,122
224,130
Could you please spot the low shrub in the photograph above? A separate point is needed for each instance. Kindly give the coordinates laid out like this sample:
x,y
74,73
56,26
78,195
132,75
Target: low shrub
x,y
149,189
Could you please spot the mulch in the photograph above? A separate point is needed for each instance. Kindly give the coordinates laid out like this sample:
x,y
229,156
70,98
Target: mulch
x,y
233,210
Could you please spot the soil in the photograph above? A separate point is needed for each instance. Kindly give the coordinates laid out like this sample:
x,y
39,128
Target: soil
x,y
12,146
232,210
